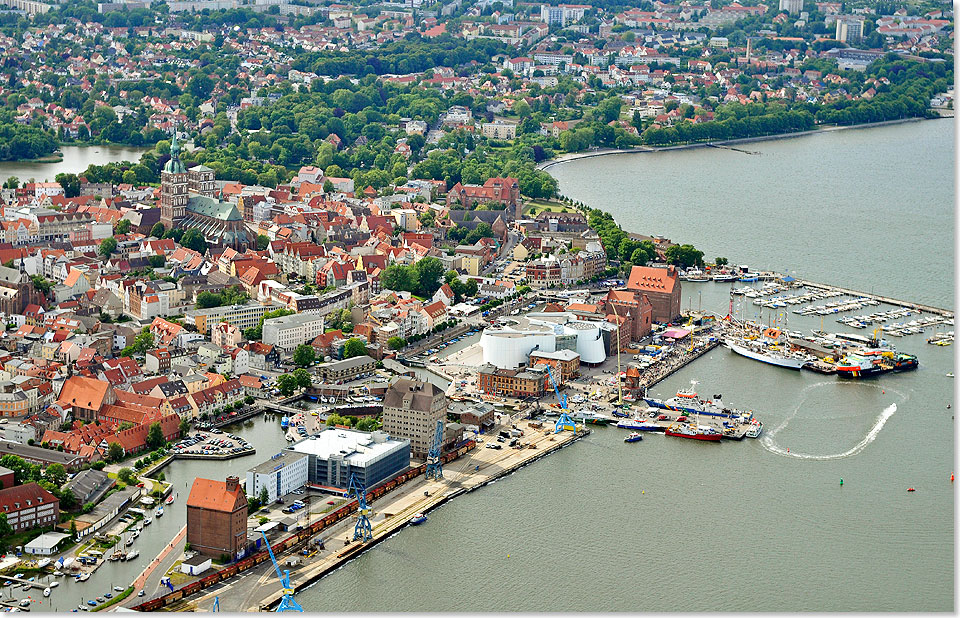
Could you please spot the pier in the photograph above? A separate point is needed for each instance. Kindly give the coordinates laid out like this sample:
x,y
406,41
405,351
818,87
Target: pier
x,y
23,582
877,297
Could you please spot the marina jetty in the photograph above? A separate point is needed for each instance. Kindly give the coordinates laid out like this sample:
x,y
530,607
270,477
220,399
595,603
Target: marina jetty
x,y
813,285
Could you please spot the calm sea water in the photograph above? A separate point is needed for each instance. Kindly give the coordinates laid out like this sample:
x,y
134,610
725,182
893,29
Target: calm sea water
x,y
871,209
75,160
760,525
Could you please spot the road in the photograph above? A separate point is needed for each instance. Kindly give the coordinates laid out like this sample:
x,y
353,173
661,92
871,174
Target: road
x,y
149,580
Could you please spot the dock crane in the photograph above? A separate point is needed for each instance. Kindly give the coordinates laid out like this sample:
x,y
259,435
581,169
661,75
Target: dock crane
x,y
363,531
434,467
287,602
564,422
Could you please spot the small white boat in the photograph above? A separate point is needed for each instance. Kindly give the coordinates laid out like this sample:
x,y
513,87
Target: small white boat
x,y
132,555
43,562
55,584
46,592
83,577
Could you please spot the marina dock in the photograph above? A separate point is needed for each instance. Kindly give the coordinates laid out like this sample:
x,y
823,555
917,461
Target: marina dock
x,y
877,297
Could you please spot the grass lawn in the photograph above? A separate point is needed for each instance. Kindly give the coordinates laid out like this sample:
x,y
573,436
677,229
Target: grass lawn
x,y
538,206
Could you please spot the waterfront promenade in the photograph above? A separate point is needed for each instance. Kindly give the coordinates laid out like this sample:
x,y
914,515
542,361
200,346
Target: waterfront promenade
x,y
149,578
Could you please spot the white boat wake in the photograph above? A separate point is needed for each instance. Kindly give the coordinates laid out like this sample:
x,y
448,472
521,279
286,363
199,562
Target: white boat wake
x,y
768,443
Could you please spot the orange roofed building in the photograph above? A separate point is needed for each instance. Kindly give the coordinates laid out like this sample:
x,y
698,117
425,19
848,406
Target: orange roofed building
x,y
217,517
661,286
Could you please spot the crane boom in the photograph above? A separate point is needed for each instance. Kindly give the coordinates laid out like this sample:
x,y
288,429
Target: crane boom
x,y
434,467
287,602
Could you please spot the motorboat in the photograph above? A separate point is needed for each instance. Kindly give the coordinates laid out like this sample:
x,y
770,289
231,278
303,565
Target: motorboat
x,y
54,584
634,437
418,519
46,592
148,521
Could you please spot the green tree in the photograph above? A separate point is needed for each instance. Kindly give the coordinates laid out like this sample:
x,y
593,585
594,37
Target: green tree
x,y
5,528
354,347
127,475
114,452
429,270
155,437
721,261
184,426
193,239
304,355
157,230
107,247
302,378
396,343
70,184
122,226
264,496
286,384
56,474
262,242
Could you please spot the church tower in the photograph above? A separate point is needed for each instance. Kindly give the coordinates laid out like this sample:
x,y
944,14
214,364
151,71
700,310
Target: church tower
x,y
173,187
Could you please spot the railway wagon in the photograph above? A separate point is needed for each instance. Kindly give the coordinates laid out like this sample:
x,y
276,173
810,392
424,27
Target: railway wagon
x,y
192,587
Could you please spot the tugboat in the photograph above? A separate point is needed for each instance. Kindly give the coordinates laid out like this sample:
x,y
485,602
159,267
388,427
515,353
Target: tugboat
x,y
634,437
418,519
874,363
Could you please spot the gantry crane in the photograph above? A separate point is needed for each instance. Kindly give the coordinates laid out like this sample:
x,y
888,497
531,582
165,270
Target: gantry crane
x,y
287,602
363,531
434,467
564,422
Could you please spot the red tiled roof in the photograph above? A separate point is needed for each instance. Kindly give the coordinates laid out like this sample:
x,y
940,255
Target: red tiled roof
x,y
213,495
648,279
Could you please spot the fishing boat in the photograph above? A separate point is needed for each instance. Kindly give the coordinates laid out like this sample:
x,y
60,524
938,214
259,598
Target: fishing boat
x,y
418,519
160,511
695,432
634,437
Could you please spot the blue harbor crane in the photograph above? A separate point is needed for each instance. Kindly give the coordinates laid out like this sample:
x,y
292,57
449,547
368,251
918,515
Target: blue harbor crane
x,y
363,531
564,422
287,602
434,467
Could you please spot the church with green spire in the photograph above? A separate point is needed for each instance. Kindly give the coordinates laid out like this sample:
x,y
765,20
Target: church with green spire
x,y
187,201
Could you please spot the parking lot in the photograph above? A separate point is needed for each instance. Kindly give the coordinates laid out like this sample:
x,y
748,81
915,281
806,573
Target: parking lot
x,y
212,442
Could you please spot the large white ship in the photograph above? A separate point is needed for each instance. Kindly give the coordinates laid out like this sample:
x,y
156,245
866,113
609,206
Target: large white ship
x,y
777,357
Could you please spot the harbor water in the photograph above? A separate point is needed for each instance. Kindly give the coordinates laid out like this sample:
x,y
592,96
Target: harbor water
x,y
759,525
